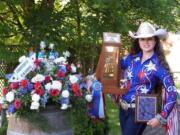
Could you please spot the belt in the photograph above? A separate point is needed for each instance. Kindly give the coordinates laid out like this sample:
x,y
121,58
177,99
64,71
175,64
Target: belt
x,y
126,105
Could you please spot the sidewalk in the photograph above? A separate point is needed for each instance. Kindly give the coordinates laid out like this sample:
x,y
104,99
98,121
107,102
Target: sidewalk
x,y
160,130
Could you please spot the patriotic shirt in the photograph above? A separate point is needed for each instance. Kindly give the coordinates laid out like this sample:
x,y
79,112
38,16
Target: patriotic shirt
x,y
142,78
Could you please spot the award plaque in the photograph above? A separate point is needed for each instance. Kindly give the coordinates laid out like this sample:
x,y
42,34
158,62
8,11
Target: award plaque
x,y
146,107
108,68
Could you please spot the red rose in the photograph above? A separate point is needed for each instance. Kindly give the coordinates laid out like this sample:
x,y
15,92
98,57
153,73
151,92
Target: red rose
x,y
48,78
37,62
17,104
54,92
68,67
37,85
24,83
5,91
14,85
76,89
40,92
60,74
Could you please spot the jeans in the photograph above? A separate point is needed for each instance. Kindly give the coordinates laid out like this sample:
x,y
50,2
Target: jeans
x,y
128,125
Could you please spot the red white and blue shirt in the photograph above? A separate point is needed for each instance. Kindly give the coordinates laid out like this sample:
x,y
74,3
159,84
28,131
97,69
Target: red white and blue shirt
x,y
143,77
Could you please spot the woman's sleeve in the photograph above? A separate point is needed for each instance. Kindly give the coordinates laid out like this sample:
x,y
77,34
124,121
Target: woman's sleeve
x,y
124,62
170,89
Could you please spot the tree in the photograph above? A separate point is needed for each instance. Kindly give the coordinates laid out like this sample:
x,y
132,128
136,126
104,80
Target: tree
x,y
78,25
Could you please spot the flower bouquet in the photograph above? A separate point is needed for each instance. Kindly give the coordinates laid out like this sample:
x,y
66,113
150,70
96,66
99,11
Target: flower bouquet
x,y
47,78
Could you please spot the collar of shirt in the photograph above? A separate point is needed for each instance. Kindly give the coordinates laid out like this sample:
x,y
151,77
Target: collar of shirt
x,y
140,56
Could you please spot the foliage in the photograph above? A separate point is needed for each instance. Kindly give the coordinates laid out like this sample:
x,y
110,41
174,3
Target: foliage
x,y
83,124
11,53
78,25
113,115
3,129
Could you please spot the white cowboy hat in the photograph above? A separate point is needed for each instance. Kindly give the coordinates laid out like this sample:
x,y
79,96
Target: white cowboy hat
x,y
146,30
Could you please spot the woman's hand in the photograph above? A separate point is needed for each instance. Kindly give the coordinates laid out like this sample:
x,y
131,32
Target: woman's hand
x,y
153,122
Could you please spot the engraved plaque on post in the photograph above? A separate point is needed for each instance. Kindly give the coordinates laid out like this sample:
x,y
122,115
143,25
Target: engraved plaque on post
x,y
108,68
110,63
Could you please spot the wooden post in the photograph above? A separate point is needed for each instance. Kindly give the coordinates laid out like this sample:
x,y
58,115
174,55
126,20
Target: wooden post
x,y
108,68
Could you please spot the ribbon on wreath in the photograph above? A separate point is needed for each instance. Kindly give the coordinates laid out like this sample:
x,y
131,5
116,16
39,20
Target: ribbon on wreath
x,y
97,109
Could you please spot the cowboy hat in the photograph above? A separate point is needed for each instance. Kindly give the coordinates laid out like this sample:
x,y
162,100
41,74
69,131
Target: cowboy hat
x,y
146,30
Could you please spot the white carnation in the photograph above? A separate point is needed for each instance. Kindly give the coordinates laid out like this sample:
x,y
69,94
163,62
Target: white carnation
x,y
88,98
74,69
2,100
38,78
56,85
73,79
32,92
60,60
34,105
66,54
10,96
64,106
65,94
22,58
48,86
35,97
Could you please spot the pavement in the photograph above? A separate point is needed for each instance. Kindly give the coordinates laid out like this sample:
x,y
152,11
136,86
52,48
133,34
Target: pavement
x,y
160,130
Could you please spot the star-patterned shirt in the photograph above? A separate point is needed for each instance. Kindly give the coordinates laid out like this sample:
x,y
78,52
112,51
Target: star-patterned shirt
x,y
142,78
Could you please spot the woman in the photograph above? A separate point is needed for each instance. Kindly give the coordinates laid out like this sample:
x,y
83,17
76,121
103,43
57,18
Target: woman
x,y
144,68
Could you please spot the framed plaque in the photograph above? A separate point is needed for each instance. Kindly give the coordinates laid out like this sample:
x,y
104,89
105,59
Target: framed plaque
x,y
108,68
146,107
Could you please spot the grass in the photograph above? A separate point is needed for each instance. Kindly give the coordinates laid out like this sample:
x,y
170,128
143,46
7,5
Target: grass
x,y
178,85
112,111
178,88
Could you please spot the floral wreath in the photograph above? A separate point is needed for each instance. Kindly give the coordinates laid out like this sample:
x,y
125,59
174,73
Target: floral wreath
x,y
48,77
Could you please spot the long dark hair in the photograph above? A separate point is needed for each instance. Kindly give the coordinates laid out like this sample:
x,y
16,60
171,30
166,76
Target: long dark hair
x,y
158,49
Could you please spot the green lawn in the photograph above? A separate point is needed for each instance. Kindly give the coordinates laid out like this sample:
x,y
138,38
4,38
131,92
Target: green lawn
x,y
113,115
178,87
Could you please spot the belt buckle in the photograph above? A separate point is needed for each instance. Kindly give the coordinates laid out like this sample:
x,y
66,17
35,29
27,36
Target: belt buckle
x,y
124,105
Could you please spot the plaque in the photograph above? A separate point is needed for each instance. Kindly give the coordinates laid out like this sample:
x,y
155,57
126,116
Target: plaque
x,y
108,68
146,107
